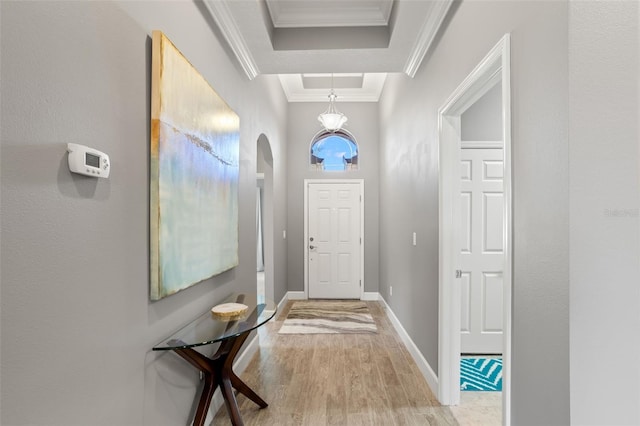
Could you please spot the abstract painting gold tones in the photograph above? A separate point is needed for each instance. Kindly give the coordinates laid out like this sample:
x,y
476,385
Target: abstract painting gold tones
x,y
194,171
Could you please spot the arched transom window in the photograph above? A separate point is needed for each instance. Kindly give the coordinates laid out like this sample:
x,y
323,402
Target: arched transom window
x,y
334,151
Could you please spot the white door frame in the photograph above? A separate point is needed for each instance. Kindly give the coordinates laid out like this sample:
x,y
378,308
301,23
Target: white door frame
x,y
307,182
495,67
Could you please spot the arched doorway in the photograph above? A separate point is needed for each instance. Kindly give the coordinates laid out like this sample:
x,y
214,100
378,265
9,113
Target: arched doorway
x,y
264,219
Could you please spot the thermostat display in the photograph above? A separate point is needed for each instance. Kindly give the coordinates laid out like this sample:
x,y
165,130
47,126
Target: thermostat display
x,y
92,160
88,161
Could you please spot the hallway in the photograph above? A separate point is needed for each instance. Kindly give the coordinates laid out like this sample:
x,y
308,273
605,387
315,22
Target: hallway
x,y
339,379
76,262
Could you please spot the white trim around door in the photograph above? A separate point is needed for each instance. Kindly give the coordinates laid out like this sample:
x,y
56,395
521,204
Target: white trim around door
x,y
493,69
308,182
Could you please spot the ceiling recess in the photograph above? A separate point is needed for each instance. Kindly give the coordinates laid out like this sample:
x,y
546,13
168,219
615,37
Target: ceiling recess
x,y
345,37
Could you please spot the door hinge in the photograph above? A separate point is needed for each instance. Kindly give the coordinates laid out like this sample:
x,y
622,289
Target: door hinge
x,y
458,273
360,283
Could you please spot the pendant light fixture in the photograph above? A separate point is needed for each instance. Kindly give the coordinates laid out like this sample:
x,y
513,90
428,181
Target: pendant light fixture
x,y
332,119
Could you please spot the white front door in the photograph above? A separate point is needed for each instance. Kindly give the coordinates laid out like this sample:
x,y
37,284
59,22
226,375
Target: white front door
x,y
333,240
481,254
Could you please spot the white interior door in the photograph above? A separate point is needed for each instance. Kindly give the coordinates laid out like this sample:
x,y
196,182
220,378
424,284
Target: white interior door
x,y
481,254
334,240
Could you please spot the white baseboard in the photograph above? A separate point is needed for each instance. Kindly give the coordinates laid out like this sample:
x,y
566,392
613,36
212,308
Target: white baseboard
x,y
371,295
296,295
283,302
423,365
241,364
300,295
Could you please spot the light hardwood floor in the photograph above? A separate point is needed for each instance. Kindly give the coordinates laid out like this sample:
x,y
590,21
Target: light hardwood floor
x,y
338,379
479,409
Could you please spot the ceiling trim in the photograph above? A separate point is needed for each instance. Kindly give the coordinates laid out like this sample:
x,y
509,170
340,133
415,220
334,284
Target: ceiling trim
x,y
372,84
427,35
324,14
229,28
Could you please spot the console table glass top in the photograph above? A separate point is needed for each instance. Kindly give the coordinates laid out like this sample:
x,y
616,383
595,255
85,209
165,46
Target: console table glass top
x,y
209,328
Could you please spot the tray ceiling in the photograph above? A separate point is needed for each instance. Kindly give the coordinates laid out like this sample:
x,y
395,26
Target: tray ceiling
x,y
293,38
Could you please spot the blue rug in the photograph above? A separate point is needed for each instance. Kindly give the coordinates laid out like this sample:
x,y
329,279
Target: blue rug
x,y
481,374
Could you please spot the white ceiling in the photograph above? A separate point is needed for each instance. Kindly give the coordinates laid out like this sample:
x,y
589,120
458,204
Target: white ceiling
x,y
306,41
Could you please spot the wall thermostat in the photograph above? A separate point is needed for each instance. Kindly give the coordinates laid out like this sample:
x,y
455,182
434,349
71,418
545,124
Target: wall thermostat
x,y
88,161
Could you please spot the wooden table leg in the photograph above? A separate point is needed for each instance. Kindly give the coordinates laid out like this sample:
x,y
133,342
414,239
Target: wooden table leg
x,y
238,384
218,371
231,402
207,366
205,400
242,387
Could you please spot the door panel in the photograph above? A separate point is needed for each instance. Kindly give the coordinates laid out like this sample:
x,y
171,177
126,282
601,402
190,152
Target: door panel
x,y
324,272
493,170
493,222
344,268
465,227
481,251
344,225
324,225
465,322
334,240
492,302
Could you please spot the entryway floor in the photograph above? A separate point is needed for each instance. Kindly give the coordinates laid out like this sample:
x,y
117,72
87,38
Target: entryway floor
x,y
337,379
318,380
479,409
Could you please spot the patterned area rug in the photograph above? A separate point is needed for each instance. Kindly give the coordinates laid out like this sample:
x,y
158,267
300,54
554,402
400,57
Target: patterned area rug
x,y
481,374
328,317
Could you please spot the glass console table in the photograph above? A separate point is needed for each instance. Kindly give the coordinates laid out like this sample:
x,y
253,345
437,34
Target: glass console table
x,y
218,368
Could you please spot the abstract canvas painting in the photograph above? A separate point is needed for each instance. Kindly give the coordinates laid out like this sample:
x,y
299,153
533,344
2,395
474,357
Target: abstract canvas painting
x,y
194,175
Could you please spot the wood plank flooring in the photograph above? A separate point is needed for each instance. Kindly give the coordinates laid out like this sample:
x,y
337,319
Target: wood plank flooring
x,y
337,379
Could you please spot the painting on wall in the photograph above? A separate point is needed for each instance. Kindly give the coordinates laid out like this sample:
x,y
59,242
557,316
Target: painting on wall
x,y
195,155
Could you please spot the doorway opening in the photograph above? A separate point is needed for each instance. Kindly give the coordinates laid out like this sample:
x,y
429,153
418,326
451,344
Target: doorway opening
x,y
481,257
495,281
264,220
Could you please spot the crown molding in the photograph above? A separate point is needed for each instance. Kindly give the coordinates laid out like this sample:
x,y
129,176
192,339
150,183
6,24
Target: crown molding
x,y
224,19
426,36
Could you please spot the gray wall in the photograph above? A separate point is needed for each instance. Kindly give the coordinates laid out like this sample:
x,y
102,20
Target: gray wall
x,y
483,120
303,126
605,216
77,324
409,192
